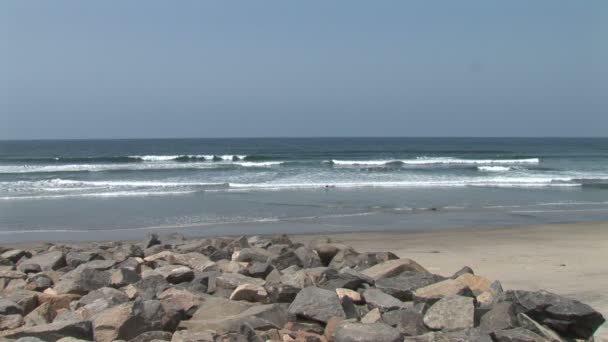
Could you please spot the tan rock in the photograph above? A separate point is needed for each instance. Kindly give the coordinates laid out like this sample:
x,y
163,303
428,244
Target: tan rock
x,y
485,298
131,291
192,336
354,296
249,292
445,288
109,323
10,321
330,328
372,317
183,299
392,268
476,283
57,301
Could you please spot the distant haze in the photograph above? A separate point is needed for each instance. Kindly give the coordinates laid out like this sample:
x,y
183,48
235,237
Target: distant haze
x,y
119,69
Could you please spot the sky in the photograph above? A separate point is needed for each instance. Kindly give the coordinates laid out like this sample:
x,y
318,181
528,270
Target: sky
x,y
137,69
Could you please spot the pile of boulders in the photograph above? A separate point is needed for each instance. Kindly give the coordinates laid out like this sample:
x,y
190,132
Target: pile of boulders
x,y
263,288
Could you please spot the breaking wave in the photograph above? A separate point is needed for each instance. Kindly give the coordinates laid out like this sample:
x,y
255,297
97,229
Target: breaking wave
x,y
433,161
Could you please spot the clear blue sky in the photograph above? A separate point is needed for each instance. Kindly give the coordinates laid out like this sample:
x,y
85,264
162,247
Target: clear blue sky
x,y
107,69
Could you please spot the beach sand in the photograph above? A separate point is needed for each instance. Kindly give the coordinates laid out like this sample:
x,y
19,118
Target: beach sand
x,y
567,259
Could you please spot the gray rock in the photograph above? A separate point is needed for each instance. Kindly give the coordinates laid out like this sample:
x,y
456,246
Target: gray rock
x,y
516,335
74,259
150,287
83,281
8,307
14,255
27,300
55,331
451,313
308,257
252,254
155,335
281,293
259,269
10,321
285,260
500,317
346,257
404,285
111,295
332,279
49,261
378,299
528,323
374,332
176,274
464,270
230,281
29,339
407,321
570,318
151,240
473,334
124,276
317,304
39,282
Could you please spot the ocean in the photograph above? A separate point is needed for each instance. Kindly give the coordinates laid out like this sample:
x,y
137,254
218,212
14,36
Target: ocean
x,y
122,189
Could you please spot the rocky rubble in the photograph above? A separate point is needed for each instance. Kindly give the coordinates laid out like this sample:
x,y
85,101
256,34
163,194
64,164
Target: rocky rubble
x,y
263,288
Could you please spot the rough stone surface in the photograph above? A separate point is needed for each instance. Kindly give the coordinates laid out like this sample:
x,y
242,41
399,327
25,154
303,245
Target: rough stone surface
x,y
392,268
317,304
46,261
250,293
451,313
375,298
404,285
374,332
516,335
55,331
445,288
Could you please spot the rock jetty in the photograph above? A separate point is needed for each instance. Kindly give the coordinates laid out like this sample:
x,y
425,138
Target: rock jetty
x,y
263,288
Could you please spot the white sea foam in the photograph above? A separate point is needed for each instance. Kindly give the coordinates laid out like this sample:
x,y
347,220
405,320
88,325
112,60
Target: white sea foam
x,y
100,195
433,161
156,158
494,168
259,164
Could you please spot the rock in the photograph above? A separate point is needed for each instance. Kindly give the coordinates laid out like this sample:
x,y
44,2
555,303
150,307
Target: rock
x,y
75,259
10,321
226,266
54,331
328,251
14,255
432,337
392,268
445,288
47,261
472,334
231,281
27,300
308,257
477,284
299,279
150,287
126,251
451,313
358,332
111,295
404,285
181,300
409,322
176,274
196,261
10,275
254,254
285,260
317,304
346,257
259,270
570,318
8,307
281,293
464,270
57,301
250,293
516,335
83,281
155,336
230,317
367,260
354,296
124,276
332,279
190,336
219,308
372,317
43,314
151,240
39,282
380,300
528,323
500,317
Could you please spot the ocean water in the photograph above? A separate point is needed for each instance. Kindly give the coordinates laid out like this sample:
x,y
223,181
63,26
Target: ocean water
x,y
115,189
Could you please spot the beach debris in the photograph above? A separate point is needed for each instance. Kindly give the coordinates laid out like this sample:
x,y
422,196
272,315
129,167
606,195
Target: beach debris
x,y
263,288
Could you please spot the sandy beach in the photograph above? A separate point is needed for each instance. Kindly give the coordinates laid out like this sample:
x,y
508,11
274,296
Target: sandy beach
x,y
568,259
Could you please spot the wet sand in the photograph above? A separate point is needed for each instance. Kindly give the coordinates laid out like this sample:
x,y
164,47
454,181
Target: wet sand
x,y
567,259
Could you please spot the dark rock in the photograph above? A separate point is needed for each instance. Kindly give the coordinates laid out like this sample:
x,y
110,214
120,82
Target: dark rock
x,y
316,304
374,332
349,307
8,307
346,257
393,268
378,299
14,255
528,323
308,257
10,321
175,274
570,318
204,282
332,279
252,254
111,295
30,268
472,334
281,293
500,317
408,321
75,259
124,276
516,335
83,281
55,331
451,313
367,260
404,285
259,270
27,300
39,282
220,254
464,270
285,260
445,288
151,240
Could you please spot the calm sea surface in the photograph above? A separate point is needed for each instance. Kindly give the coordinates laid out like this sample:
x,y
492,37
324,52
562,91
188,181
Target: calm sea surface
x,y
115,189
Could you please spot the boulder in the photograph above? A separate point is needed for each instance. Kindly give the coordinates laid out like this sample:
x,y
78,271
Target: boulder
x,y
10,321
181,300
375,298
249,292
502,316
354,296
74,259
27,300
8,307
153,336
374,332
568,317
516,335
258,270
451,313
14,255
231,316
254,254
48,261
316,304
464,270
477,284
332,279
346,257
308,257
285,260
54,331
231,281
404,285
408,321
436,291
83,281
393,268
327,251
123,276
111,295
191,336
151,240
150,287
372,317
176,274
39,282
528,323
